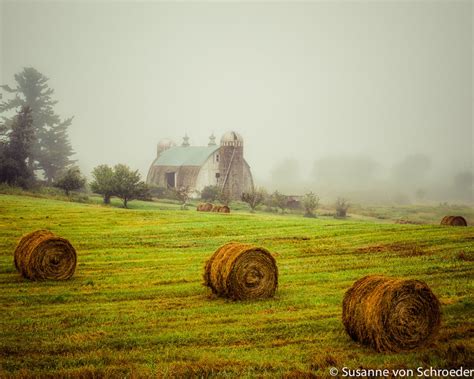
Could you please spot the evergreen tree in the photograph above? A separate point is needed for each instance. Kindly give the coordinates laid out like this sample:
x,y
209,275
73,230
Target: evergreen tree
x,y
50,149
15,150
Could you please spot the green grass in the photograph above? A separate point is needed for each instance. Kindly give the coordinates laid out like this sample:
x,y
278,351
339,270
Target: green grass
x,y
136,305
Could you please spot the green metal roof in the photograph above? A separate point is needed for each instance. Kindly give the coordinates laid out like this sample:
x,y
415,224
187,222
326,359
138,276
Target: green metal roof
x,y
185,156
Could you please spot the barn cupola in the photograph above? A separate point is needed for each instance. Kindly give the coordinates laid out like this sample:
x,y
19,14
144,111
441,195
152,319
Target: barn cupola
x,y
163,145
212,140
185,141
232,139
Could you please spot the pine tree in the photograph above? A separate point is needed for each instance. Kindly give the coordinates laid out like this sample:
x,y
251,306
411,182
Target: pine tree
x,y
50,149
15,150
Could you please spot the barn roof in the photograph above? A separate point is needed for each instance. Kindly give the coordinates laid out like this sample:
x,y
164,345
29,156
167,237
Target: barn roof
x,y
185,156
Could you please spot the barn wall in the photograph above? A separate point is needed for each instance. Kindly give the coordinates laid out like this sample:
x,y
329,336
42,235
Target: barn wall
x,y
207,174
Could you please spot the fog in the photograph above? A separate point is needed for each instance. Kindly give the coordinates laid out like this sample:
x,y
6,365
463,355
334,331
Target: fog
x,y
370,100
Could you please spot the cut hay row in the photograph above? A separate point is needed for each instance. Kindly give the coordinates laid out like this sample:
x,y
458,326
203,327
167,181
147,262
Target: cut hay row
x,y
42,255
241,271
391,314
454,221
387,314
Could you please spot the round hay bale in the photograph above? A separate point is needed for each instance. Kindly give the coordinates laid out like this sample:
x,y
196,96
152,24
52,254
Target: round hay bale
x,y
42,255
199,208
224,209
454,221
241,272
444,220
391,314
215,208
207,207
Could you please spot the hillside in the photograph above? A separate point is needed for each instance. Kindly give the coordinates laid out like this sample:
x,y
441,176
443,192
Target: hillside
x,y
136,304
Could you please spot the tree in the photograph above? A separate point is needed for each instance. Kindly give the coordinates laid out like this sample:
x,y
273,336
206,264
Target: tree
x,y
280,201
182,195
342,206
127,184
55,150
70,180
253,198
310,204
210,193
15,149
50,148
103,182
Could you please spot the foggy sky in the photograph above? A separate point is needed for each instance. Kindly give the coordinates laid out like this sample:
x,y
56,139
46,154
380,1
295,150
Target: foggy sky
x,y
298,80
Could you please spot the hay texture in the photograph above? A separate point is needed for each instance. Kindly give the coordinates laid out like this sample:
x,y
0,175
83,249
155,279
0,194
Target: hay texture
x,y
454,221
204,207
241,272
391,314
224,209
42,255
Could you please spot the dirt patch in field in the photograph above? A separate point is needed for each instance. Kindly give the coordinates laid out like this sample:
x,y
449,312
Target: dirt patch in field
x,y
399,248
466,256
290,238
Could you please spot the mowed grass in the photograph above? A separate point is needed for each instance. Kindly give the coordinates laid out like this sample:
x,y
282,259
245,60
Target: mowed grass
x,y
136,306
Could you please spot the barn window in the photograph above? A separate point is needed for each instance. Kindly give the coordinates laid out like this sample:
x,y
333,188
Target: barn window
x,y
217,158
217,177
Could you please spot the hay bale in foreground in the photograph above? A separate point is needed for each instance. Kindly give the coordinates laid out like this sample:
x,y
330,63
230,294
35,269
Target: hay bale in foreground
x,y
391,314
454,221
241,271
42,255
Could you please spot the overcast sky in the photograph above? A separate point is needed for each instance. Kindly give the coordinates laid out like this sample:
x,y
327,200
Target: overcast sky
x,y
297,80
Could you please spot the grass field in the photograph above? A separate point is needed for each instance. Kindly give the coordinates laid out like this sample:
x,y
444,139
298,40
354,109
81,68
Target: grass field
x,y
136,306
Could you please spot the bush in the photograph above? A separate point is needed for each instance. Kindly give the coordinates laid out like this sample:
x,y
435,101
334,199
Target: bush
x,y
161,193
310,204
71,180
210,193
342,206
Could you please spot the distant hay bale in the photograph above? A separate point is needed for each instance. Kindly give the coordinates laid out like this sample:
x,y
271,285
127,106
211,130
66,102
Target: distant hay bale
x,y
391,314
215,208
241,272
207,207
224,209
42,255
204,207
454,221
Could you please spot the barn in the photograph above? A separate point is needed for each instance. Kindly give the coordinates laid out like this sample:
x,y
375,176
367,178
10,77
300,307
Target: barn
x,y
196,167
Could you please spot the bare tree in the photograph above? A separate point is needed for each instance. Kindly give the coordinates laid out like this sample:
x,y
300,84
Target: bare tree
x,y
342,205
253,198
182,194
310,204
